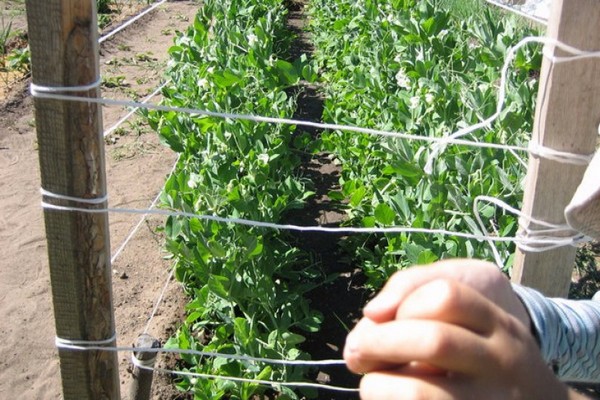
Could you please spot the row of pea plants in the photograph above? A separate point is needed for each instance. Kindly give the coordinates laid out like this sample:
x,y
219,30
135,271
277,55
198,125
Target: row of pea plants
x,y
247,284
412,66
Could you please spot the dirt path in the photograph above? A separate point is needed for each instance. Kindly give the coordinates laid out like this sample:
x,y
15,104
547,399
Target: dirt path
x,y
136,168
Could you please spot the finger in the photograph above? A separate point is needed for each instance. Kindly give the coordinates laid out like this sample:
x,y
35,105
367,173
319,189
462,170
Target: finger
x,y
389,385
451,302
397,343
363,331
383,307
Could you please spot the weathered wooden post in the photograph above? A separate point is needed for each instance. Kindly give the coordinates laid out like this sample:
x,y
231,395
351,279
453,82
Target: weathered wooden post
x,y
64,51
567,119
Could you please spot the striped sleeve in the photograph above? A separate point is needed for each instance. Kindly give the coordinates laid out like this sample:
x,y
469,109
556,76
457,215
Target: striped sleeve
x,y
568,332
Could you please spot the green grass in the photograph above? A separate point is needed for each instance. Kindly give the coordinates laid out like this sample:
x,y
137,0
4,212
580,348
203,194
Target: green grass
x,y
463,8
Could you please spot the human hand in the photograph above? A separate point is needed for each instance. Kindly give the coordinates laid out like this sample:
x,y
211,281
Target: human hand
x,y
448,335
482,276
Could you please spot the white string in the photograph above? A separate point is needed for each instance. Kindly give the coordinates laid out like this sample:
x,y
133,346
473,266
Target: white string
x,y
149,363
93,201
131,21
528,239
578,54
273,120
538,150
141,221
62,343
439,143
159,300
250,380
98,346
37,90
533,241
90,346
519,12
439,147
113,128
301,228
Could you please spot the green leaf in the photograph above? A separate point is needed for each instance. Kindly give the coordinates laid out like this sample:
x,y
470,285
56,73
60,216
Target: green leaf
x,y
216,249
241,330
193,316
426,257
292,339
287,72
357,196
225,79
336,195
369,221
384,214
217,284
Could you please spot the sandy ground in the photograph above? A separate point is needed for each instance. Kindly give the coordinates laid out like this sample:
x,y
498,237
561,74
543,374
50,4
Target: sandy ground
x,y
137,165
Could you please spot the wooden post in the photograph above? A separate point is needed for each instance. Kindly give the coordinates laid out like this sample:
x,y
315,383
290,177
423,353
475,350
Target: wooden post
x,y
141,385
64,52
567,119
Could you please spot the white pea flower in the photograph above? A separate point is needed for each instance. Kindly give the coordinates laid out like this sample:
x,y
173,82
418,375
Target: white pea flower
x,y
402,80
192,184
210,70
420,55
414,102
264,158
429,98
398,58
252,39
203,83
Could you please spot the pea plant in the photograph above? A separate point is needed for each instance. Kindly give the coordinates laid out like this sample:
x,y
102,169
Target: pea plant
x,y
247,284
399,65
411,66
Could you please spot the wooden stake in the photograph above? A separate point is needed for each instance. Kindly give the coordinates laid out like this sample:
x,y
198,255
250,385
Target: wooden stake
x,y
141,385
567,119
64,51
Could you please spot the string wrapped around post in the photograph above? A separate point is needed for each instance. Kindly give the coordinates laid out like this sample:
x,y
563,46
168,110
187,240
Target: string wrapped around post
x,y
141,385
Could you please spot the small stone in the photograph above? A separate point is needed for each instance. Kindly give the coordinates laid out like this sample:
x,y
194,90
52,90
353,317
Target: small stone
x,y
323,378
124,275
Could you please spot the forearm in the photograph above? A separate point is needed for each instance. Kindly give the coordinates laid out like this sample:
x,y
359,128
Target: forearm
x,y
568,333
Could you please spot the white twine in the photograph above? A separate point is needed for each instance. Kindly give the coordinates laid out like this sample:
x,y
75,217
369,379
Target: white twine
x,y
538,150
529,239
273,120
439,147
113,128
141,221
38,90
149,363
439,144
81,344
89,345
93,201
131,21
317,228
518,12
159,300
250,380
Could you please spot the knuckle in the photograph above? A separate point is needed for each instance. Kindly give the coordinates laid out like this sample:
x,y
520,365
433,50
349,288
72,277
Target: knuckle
x,y
437,344
445,295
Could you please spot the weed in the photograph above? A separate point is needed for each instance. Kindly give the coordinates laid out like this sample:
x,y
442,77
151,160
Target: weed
x,y
111,82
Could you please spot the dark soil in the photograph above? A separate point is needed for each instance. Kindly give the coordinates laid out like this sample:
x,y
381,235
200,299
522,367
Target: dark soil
x,y
341,300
